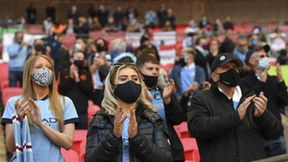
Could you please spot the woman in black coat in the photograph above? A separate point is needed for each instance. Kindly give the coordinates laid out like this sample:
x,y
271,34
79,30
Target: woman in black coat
x,y
127,128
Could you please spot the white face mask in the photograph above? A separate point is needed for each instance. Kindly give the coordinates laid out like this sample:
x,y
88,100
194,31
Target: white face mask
x,y
263,63
78,46
42,77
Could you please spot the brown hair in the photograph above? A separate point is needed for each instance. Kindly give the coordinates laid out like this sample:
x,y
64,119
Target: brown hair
x,y
146,58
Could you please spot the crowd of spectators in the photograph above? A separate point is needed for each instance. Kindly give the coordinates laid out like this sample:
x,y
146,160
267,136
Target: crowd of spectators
x,y
82,70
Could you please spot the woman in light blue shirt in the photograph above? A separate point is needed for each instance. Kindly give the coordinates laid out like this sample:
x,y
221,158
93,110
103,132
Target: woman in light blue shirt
x,y
51,117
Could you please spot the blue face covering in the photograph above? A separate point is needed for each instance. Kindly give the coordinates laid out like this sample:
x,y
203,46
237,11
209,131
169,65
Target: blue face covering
x,y
263,63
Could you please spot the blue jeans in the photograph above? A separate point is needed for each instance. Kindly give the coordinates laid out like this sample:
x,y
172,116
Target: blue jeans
x,y
14,77
275,147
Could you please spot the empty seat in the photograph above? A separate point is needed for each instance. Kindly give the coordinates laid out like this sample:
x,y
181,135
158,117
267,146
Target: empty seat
x,y
92,109
191,151
10,92
82,150
183,130
79,136
70,156
4,71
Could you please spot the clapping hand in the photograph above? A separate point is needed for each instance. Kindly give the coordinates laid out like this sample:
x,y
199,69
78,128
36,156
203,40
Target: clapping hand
x,y
133,125
118,122
260,104
21,106
167,91
34,112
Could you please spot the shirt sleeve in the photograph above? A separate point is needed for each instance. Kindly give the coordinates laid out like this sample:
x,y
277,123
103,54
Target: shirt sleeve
x,y
70,114
9,110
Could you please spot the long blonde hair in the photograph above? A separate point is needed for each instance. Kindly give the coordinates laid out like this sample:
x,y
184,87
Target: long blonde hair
x,y
29,92
110,102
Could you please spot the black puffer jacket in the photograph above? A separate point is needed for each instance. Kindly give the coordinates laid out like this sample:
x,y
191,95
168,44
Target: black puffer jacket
x,y
150,144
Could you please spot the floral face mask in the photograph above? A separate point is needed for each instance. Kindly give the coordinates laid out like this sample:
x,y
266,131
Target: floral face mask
x,y
42,77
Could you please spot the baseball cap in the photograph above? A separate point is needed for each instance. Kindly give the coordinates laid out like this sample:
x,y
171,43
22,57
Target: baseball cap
x,y
266,48
223,59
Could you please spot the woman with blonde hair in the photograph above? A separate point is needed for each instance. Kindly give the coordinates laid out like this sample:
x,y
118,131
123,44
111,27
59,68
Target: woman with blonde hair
x,y
51,117
127,128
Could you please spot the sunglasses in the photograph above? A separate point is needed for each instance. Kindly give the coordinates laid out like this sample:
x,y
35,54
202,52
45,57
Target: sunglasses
x,y
122,64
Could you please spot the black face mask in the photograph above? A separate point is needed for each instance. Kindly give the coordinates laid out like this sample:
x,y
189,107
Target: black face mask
x,y
182,62
40,48
150,81
128,92
230,78
100,48
79,63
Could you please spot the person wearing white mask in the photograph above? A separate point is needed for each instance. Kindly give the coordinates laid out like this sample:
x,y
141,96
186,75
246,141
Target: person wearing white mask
x,y
273,87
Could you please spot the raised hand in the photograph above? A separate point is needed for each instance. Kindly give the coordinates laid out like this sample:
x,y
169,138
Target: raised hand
x,y
133,125
243,107
260,104
21,106
167,91
35,113
279,73
263,74
118,122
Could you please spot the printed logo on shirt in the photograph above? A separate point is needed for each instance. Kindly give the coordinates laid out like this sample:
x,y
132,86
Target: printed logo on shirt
x,y
49,120
83,77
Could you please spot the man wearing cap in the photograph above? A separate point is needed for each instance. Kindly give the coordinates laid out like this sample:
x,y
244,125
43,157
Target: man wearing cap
x,y
273,87
230,122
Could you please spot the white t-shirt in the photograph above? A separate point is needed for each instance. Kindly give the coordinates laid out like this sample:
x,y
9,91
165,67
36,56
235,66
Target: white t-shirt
x,y
44,150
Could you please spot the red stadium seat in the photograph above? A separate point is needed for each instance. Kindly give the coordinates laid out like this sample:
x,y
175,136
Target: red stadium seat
x,y
190,149
70,156
92,109
4,71
10,92
35,29
79,136
4,84
183,130
82,150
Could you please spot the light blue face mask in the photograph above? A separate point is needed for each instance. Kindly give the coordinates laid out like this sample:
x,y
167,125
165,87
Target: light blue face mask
x,y
263,63
42,77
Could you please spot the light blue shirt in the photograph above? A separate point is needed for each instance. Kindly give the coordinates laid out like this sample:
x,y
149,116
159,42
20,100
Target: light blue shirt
x,y
44,150
187,77
236,96
17,56
125,140
158,102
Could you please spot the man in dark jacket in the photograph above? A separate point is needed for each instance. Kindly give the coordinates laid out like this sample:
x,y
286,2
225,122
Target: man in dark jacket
x,y
230,122
166,103
273,87
76,83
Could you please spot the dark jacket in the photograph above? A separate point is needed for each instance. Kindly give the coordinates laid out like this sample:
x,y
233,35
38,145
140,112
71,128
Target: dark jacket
x,y
176,76
221,135
275,91
150,144
175,115
79,92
